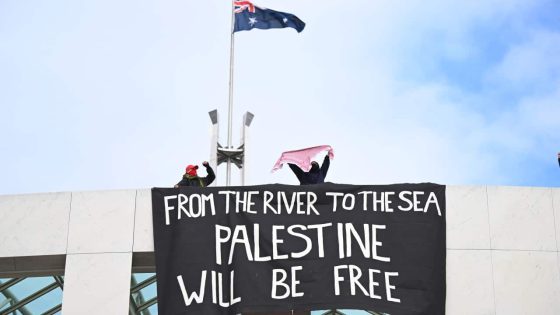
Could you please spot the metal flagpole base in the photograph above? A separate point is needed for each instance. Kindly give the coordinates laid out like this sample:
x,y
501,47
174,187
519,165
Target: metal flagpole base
x,y
229,155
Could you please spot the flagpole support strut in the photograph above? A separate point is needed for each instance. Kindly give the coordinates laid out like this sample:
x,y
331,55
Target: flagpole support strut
x,y
228,154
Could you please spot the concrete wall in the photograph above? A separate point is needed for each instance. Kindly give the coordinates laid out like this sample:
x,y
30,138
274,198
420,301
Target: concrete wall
x,y
502,247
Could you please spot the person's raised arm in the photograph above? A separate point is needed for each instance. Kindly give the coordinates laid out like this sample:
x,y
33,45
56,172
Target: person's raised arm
x,y
211,175
325,166
296,170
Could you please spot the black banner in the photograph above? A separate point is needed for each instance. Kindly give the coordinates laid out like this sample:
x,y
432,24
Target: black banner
x,y
230,250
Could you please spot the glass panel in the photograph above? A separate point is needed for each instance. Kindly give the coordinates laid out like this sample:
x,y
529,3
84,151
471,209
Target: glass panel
x,y
43,293
142,276
153,309
45,302
149,292
145,294
29,286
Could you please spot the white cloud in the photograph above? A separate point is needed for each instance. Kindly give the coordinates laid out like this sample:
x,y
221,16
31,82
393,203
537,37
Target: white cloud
x,y
531,64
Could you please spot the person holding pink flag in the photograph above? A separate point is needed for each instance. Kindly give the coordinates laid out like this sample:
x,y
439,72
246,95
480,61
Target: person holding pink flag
x,y
307,172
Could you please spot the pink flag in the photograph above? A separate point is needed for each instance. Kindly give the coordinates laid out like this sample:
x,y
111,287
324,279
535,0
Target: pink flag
x,y
302,158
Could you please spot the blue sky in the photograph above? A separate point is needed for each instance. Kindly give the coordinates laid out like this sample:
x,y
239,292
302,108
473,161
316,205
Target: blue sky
x,y
109,95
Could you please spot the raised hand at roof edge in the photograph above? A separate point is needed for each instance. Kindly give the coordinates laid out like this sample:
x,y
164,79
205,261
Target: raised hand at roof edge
x,y
191,178
307,172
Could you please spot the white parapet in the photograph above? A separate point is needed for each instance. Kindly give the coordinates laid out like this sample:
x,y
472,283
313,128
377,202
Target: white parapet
x,y
33,225
502,245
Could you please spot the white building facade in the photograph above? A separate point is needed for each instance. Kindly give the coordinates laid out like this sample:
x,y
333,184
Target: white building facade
x,y
502,247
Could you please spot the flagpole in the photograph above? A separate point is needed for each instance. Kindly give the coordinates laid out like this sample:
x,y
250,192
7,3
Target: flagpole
x,y
230,103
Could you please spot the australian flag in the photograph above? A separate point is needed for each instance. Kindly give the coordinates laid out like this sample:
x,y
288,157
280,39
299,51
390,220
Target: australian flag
x,y
248,16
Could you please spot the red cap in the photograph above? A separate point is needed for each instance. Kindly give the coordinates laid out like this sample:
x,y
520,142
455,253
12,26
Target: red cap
x,y
191,169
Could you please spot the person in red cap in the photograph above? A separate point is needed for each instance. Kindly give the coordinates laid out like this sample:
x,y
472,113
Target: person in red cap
x,y
191,178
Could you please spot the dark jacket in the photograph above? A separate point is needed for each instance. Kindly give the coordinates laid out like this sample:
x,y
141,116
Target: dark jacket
x,y
313,176
198,181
